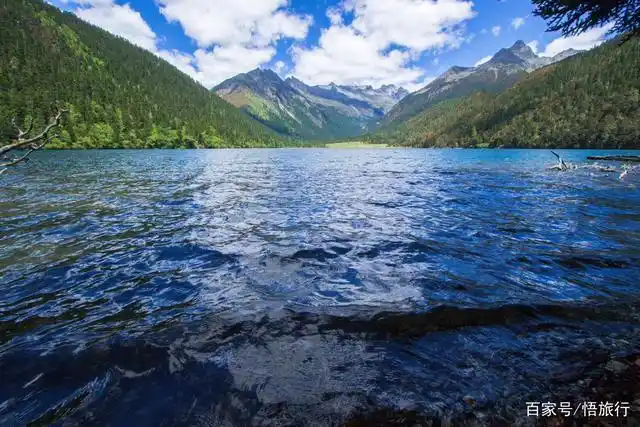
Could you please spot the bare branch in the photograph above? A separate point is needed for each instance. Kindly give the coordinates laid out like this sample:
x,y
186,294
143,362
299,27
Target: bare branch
x,y
22,133
34,143
18,159
561,164
33,147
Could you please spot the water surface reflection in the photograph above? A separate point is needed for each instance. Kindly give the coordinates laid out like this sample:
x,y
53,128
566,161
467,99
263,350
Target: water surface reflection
x,y
293,287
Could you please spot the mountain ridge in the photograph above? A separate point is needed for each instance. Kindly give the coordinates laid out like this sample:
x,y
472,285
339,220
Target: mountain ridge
x,y
291,107
122,96
506,67
589,100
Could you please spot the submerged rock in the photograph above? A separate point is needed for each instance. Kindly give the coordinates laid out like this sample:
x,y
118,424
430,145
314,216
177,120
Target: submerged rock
x,y
615,366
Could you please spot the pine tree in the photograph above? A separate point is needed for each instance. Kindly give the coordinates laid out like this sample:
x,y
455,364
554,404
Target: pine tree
x,y
117,93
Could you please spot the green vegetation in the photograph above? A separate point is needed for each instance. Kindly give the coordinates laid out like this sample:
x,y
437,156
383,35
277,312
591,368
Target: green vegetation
x,y
311,123
591,100
313,113
121,96
118,95
416,102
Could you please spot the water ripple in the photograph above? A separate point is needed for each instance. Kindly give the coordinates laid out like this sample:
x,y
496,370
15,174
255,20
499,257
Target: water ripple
x,y
295,287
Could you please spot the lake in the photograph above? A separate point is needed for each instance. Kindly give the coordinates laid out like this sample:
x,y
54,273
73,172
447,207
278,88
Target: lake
x,y
309,286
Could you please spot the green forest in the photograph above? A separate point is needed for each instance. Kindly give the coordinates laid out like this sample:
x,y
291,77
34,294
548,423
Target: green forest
x,y
118,95
591,100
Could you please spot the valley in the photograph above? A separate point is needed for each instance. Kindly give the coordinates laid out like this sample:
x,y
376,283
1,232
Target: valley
x,y
120,96
295,109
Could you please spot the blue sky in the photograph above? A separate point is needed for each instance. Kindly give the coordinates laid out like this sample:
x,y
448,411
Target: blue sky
x,y
402,42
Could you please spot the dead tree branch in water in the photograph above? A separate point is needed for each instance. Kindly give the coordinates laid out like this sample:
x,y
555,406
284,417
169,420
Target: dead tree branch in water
x,y
31,144
562,166
635,159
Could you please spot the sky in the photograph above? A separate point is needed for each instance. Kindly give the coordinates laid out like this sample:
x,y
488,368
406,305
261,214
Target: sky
x,y
352,42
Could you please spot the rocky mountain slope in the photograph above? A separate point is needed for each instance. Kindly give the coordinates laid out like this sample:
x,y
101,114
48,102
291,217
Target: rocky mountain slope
x,y
504,69
590,100
293,108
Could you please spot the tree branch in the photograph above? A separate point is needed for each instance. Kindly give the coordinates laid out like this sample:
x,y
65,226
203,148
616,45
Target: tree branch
x,y
33,144
33,147
22,133
561,164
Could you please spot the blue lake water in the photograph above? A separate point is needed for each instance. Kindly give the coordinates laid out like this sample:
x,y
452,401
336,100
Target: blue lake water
x,y
293,287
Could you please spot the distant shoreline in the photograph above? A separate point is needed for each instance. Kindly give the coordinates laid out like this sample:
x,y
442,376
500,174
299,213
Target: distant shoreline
x,y
356,144
342,145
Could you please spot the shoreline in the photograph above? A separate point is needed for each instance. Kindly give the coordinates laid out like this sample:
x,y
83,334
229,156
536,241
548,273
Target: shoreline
x,y
368,146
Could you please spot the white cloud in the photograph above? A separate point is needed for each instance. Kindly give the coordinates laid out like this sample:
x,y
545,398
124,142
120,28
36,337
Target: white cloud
x,y
280,68
534,45
416,24
483,60
335,16
210,67
120,20
382,42
225,62
517,22
234,37
496,30
182,61
380,46
88,2
334,61
418,84
584,41
225,22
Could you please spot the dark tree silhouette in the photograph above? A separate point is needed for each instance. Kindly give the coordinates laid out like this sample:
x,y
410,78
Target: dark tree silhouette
x,y
573,17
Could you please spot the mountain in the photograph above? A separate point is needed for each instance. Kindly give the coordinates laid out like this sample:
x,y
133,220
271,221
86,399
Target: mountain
x,y
290,107
590,100
505,68
118,95
383,98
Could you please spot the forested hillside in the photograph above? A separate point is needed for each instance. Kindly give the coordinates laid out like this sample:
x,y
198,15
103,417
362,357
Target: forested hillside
x,y
118,94
503,70
591,100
